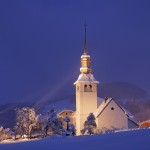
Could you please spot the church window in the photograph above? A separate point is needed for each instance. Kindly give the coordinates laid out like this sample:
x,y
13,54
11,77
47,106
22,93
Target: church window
x,y
87,88
112,108
90,88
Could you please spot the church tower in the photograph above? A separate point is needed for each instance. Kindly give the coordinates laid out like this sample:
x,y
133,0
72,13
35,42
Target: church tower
x,y
86,90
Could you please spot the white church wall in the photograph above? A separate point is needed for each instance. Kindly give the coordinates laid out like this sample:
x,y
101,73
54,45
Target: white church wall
x,y
112,117
86,102
80,120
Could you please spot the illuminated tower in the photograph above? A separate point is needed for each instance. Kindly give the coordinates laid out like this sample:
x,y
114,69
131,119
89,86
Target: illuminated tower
x,y
86,90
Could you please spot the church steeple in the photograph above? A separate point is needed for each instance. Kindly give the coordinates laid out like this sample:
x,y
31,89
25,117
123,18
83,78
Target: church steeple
x,y
85,58
85,44
86,89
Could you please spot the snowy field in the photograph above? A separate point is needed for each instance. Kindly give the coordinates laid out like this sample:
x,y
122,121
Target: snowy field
x,y
127,140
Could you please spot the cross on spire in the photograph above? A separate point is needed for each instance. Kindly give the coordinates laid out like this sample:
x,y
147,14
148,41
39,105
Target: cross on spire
x,y
85,44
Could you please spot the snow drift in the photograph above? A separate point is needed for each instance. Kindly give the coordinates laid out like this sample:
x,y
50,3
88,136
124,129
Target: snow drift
x,y
128,140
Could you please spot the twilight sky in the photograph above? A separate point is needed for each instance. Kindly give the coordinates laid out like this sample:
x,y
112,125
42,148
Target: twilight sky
x,y
41,42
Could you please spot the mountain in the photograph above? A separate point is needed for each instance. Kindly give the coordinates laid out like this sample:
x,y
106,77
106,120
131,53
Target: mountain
x,y
122,90
131,97
8,115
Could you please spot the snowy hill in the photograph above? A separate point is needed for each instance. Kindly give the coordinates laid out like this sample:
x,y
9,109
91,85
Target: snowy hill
x,y
136,100
127,140
123,90
65,104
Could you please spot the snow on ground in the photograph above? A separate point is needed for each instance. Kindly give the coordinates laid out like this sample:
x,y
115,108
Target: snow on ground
x,y
129,140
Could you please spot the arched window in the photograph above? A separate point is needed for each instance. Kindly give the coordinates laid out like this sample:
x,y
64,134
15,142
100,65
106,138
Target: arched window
x,y
87,88
90,88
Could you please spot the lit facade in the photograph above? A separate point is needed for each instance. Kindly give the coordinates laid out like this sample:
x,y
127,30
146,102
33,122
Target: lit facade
x,y
109,114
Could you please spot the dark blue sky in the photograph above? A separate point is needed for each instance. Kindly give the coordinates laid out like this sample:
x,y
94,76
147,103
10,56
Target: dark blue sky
x,y
41,42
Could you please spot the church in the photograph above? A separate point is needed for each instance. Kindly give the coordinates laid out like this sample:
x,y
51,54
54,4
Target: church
x,y
108,113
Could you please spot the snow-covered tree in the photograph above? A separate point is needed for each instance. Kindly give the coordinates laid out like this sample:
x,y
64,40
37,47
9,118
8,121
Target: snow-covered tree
x,y
89,125
40,126
67,120
72,129
47,123
54,123
5,133
24,118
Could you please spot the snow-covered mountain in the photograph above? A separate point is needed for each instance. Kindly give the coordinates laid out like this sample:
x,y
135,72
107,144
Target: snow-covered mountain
x,y
136,100
123,91
127,140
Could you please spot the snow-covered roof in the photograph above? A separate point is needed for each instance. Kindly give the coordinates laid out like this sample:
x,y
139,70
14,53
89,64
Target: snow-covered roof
x,y
104,104
129,115
127,112
65,110
99,101
86,78
132,120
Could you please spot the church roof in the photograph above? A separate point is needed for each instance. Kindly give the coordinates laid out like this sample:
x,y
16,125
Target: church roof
x,y
106,102
99,101
86,78
133,121
102,106
65,110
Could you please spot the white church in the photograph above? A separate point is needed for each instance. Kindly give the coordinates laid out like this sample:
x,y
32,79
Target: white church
x,y
108,113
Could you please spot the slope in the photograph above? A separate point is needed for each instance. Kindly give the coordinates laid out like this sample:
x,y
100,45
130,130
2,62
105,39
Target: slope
x,y
128,140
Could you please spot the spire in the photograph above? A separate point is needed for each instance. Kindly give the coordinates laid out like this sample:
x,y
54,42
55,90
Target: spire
x,y
85,59
85,44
